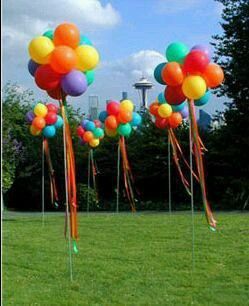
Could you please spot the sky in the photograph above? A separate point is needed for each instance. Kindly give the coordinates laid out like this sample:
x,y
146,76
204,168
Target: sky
x,y
131,37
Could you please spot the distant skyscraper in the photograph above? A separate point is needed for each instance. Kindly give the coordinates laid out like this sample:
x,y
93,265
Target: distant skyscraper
x,y
143,85
205,120
93,107
124,95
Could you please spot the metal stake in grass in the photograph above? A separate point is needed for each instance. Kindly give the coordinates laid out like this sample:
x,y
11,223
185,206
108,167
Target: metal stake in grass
x,y
169,174
118,178
43,182
88,181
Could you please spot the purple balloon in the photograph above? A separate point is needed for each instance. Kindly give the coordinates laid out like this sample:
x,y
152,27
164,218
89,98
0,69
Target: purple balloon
x,y
82,142
30,116
74,83
184,112
204,49
84,123
32,66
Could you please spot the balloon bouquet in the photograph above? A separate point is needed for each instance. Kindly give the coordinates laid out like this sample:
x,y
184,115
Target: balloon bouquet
x,y
62,63
120,119
189,75
90,133
44,121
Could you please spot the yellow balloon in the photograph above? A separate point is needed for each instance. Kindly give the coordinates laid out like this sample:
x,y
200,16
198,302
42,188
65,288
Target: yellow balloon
x,y
87,57
34,131
194,87
40,49
110,133
165,110
127,105
40,110
94,142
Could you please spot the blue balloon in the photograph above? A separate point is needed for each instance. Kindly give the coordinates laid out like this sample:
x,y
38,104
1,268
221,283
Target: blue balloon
x,y
102,116
161,98
179,107
204,99
184,112
85,40
59,123
49,131
84,123
157,73
90,126
32,66
136,119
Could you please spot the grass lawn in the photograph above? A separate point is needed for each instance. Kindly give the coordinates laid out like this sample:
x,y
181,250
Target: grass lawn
x,y
126,259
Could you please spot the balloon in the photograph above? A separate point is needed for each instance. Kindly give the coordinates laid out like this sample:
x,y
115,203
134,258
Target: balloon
x,y
51,118
67,34
98,132
94,142
32,66
136,119
82,142
194,87
80,131
49,131
63,59
89,77
40,110
176,52
113,108
30,116
164,110
87,57
34,131
39,123
184,112
172,74
179,107
195,62
74,83
111,122
127,105
85,40
110,133
97,123
59,123
102,116
46,78
204,49
84,123
175,120
174,95
204,99
88,136
161,98
124,116
213,75
124,129
56,93
154,108
40,49
90,126
52,108
158,73
161,123
49,34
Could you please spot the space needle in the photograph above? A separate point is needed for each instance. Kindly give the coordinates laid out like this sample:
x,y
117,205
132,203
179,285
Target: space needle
x,y
143,85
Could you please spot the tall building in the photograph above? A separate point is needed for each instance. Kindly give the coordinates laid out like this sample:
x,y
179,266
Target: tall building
x,y
205,120
143,85
93,103
124,95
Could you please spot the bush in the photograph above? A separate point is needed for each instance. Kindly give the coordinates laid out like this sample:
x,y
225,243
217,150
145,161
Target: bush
x,y
82,190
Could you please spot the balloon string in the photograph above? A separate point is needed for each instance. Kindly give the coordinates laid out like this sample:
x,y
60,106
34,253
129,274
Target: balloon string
x,y
94,173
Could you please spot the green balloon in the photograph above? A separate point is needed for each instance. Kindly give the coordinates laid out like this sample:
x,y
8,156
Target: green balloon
x,y
49,34
98,132
89,76
124,129
176,52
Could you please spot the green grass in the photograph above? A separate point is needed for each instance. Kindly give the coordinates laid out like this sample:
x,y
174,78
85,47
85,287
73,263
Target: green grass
x,y
126,259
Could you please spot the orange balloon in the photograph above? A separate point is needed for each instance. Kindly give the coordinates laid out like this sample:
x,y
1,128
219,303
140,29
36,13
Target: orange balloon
x,y
213,75
67,34
124,116
172,74
154,108
88,136
175,120
111,122
39,122
63,59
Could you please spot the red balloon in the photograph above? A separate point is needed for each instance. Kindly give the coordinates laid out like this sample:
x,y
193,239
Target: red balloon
x,y
174,95
162,123
52,108
154,108
175,120
80,131
97,123
56,93
51,118
195,62
46,78
112,108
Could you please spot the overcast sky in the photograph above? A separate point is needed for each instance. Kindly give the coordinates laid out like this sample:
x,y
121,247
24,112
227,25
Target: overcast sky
x,y
131,37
